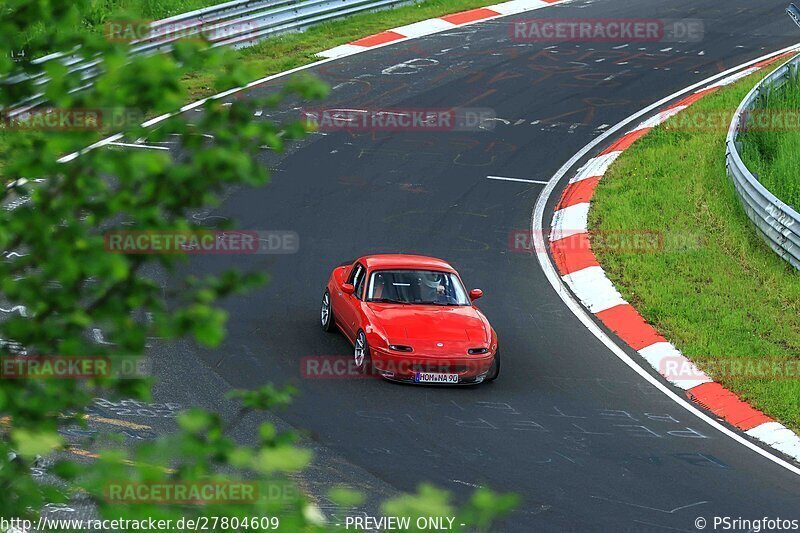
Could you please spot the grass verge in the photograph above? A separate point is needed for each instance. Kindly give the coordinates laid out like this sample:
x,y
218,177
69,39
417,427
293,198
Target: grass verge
x,y
730,297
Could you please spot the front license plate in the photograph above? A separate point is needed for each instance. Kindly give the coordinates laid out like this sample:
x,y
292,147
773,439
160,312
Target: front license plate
x,y
431,377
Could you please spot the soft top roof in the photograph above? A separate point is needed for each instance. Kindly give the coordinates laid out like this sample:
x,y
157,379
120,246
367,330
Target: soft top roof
x,y
404,261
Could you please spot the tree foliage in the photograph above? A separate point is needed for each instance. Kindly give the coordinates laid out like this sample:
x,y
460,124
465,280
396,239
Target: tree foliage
x,y
64,284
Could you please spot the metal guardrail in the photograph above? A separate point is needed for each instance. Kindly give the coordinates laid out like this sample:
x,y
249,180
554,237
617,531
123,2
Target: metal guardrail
x,y
239,23
776,222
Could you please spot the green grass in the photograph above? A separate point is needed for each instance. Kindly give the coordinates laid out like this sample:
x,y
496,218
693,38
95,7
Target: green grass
x,y
155,9
774,153
103,10
730,297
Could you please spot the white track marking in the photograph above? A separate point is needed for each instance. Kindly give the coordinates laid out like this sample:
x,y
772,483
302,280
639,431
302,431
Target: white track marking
x,y
517,6
596,166
161,118
97,335
737,77
570,221
582,315
139,145
501,178
778,436
594,289
660,118
21,309
342,51
424,27
663,355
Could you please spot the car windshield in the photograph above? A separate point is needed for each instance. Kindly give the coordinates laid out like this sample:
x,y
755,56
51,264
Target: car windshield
x,y
416,287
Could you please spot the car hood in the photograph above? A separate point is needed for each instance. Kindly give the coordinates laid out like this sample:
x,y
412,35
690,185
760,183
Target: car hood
x,y
430,323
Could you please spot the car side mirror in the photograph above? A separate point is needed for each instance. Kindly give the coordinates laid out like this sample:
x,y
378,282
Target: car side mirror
x,y
474,294
348,288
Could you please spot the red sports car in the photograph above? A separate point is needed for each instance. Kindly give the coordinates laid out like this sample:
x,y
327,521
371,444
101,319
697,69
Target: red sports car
x,y
410,318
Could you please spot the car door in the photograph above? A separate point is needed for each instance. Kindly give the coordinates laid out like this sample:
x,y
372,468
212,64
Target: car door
x,y
349,312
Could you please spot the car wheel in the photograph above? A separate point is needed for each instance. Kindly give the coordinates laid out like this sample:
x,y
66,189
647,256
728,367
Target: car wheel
x,y
361,353
494,370
326,312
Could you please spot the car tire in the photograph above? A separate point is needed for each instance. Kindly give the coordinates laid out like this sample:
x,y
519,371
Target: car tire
x,y
326,312
361,353
494,370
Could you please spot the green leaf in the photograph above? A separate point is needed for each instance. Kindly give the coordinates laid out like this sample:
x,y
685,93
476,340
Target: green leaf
x,y
31,442
345,497
66,469
282,459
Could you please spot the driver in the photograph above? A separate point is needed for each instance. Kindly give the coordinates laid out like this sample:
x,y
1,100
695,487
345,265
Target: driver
x,y
433,287
379,291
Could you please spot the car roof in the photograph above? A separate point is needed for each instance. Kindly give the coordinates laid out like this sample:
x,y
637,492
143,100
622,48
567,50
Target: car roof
x,y
404,261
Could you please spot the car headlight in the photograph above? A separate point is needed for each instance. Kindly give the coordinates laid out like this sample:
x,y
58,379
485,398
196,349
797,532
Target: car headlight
x,y
478,351
400,348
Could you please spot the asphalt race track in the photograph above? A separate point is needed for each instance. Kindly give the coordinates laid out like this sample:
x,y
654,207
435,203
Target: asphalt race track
x,y
587,443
